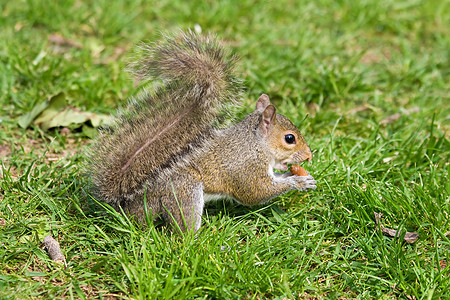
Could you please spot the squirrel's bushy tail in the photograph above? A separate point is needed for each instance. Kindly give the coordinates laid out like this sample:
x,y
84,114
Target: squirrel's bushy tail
x,y
188,62
196,81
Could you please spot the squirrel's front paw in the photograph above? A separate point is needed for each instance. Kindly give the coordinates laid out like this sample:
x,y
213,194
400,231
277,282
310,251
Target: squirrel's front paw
x,y
306,182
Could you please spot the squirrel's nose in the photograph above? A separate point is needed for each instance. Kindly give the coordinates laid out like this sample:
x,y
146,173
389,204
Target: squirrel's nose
x,y
305,155
308,155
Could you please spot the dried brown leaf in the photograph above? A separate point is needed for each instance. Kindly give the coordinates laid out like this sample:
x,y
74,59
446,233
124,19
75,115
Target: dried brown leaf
x,y
410,237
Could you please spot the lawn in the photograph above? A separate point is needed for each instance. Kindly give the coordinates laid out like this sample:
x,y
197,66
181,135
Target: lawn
x,y
368,84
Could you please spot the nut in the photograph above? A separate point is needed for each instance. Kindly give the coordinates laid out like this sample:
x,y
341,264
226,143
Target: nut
x,y
299,171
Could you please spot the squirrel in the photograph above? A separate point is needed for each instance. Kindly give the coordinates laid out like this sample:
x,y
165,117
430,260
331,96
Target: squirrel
x,y
165,154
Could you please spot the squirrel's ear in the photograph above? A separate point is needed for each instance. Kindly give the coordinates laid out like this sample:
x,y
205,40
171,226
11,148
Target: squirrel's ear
x,y
262,103
268,119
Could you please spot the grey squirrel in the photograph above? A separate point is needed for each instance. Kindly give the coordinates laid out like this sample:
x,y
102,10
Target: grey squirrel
x,y
166,147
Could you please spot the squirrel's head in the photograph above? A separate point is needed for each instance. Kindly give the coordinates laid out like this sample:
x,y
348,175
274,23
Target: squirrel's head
x,y
285,142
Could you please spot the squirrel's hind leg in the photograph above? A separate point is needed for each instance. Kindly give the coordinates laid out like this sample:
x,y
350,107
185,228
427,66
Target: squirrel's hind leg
x,y
182,201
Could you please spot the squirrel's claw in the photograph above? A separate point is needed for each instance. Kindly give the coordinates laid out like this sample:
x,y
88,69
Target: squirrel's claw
x,y
308,182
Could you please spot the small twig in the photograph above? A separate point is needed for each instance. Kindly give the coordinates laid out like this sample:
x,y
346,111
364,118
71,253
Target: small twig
x,y
52,247
410,237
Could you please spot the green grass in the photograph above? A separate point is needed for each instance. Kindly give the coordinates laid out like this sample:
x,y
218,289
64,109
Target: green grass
x,y
338,69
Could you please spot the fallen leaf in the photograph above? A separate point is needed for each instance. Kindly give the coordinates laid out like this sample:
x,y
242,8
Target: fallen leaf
x,y
410,237
55,112
28,118
89,131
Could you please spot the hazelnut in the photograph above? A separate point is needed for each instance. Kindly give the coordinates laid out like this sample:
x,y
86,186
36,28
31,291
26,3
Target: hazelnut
x,y
299,171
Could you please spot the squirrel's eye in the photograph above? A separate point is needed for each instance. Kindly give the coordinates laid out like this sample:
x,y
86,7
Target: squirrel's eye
x,y
289,138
